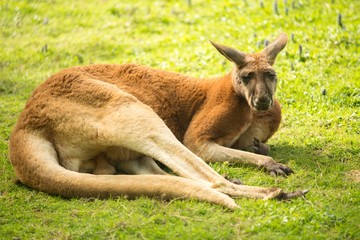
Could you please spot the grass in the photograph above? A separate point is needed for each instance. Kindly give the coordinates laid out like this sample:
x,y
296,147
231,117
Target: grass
x,y
319,89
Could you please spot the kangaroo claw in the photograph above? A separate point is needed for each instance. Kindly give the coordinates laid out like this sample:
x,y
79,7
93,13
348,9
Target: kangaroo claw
x,y
291,195
278,169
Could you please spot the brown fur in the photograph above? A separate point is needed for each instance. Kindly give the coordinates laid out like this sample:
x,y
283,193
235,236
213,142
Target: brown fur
x,y
107,119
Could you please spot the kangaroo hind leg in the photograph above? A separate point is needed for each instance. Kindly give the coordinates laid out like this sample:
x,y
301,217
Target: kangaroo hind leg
x,y
137,127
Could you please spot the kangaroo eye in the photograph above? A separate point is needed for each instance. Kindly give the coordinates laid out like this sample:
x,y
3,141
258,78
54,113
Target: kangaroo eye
x,y
245,79
271,75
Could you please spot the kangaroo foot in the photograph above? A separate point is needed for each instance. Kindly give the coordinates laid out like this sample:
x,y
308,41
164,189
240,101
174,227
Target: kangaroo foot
x,y
291,195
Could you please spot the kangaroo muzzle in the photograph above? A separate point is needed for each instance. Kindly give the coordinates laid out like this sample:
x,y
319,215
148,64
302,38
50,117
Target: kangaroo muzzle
x,y
262,103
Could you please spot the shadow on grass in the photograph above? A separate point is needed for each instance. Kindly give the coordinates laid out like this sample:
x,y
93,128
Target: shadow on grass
x,y
300,154
315,159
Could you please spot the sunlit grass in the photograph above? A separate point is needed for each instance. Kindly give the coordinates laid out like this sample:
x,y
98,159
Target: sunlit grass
x,y
319,89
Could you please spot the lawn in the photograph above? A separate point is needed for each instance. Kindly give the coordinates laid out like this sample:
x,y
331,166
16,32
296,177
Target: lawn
x,y
319,89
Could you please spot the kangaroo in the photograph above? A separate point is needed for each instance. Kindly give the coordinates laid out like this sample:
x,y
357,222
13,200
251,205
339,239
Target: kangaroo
x,y
96,131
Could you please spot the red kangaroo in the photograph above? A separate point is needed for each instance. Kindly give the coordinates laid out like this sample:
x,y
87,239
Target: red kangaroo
x,y
96,131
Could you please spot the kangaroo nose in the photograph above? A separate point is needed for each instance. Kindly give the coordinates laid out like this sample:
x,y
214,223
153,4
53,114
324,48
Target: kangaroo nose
x,y
263,100
262,103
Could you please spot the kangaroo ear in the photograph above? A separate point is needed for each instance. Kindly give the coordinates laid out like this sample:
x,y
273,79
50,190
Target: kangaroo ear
x,y
231,54
273,49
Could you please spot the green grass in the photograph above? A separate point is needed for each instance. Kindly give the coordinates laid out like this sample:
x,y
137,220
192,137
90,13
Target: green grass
x,y
319,90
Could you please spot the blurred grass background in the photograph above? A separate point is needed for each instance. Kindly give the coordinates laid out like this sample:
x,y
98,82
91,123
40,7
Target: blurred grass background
x,y
319,88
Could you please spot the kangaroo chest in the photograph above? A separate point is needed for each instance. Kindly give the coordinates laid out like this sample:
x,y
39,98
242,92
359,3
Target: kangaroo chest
x,y
232,135
228,124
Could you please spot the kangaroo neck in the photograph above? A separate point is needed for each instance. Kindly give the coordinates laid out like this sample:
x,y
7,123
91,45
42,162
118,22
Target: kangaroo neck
x,y
221,91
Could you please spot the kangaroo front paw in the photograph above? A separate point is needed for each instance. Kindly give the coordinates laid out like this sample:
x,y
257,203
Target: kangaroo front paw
x,y
276,169
260,148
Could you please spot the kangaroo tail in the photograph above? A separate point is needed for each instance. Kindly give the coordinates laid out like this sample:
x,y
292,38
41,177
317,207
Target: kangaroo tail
x,y
36,165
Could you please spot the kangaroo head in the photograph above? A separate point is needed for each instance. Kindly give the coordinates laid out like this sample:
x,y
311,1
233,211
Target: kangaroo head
x,y
253,76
